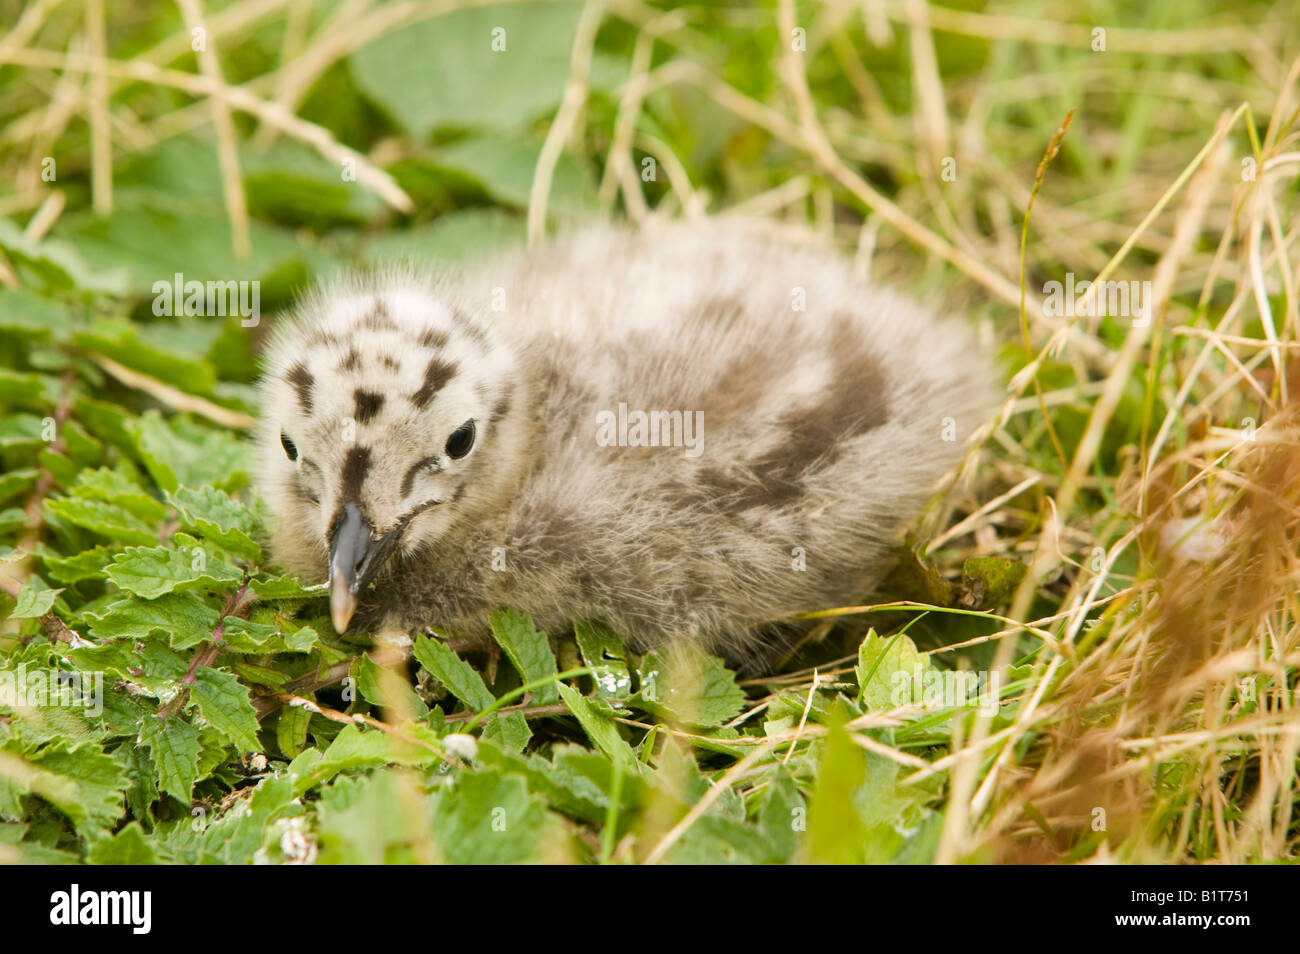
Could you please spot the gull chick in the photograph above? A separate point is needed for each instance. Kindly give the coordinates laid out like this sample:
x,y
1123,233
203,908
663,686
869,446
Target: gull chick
x,y
684,433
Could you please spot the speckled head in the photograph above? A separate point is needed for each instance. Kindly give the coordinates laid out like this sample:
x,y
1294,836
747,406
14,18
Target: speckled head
x,y
388,418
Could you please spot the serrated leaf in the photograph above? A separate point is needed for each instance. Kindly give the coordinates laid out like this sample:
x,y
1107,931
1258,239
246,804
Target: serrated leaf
x,y
126,847
356,823
528,649
151,572
34,599
599,728
177,452
174,746
453,672
223,701
354,749
215,516
510,729
115,488
102,518
86,565
486,817
689,686
377,685
603,653
886,667
183,616
246,636
94,781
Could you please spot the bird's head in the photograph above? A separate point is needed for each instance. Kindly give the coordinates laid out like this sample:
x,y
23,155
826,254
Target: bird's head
x,y
387,418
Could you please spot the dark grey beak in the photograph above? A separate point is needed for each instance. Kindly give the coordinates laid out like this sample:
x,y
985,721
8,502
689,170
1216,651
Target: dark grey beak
x,y
355,557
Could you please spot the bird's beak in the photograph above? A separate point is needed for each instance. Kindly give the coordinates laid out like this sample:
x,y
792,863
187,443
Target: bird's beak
x,y
355,557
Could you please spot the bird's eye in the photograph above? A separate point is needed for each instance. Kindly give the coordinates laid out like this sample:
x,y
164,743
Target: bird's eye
x,y
290,448
461,441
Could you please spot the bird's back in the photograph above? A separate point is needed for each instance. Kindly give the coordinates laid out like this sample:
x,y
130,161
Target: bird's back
x,y
728,430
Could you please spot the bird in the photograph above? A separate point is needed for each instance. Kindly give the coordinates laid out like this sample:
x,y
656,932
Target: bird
x,y
688,432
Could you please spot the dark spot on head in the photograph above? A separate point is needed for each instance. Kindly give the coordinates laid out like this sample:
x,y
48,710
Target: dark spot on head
x,y
351,361
389,362
470,328
303,382
377,318
408,481
501,408
433,339
436,373
319,336
356,465
368,405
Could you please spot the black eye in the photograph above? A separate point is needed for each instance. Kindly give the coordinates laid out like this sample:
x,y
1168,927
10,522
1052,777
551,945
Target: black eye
x,y
461,441
290,448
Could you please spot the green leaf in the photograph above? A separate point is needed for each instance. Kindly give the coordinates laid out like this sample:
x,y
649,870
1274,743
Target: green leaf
x,y
17,481
684,684
104,519
462,235
599,728
836,833
246,636
25,313
453,672
176,451
127,847
34,599
174,746
887,668
86,565
488,818
354,749
510,729
373,681
149,238
444,72
603,653
356,822
115,488
291,730
12,519
223,701
20,388
152,571
21,431
990,580
505,166
529,651
183,616
88,783
215,516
